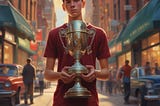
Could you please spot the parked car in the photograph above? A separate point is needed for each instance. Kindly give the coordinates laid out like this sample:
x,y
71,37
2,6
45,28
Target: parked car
x,y
145,88
11,83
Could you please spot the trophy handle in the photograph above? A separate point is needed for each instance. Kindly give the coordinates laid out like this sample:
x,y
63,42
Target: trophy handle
x,y
91,32
62,33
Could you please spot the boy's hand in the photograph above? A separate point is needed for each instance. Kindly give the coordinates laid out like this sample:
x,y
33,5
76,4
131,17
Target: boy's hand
x,y
91,76
65,77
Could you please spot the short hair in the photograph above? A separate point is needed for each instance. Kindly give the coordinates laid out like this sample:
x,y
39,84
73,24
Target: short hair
x,y
29,59
127,61
63,0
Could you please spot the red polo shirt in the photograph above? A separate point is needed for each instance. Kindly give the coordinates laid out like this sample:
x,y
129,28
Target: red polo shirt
x,y
127,70
55,49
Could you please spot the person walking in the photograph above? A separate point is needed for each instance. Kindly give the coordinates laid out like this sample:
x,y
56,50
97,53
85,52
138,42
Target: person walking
x,y
125,72
157,69
28,79
41,81
55,50
110,82
147,68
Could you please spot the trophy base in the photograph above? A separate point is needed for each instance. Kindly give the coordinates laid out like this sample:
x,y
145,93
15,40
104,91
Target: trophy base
x,y
77,92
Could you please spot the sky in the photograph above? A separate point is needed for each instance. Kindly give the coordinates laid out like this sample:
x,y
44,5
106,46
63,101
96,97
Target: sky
x,y
61,16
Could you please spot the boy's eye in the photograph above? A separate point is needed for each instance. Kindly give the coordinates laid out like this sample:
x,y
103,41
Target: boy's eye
x,y
76,0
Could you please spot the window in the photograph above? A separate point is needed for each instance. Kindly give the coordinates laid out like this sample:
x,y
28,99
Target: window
x,y
27,9
19,5
152,55
144,43
154,39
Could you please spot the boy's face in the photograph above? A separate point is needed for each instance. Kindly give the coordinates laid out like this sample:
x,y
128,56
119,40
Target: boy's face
x,y
73,7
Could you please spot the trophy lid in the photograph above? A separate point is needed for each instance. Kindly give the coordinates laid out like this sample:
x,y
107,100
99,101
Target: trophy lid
x,y
77,26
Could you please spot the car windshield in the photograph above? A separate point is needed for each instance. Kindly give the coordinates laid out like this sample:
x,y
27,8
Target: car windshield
x,y
8,70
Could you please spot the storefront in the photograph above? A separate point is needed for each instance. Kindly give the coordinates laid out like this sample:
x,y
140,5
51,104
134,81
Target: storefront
x,y
151,49
12,27
24,50
140,39
9,47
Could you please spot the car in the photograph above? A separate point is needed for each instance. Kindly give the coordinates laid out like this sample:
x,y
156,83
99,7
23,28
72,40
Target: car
x,y
145,87
11,83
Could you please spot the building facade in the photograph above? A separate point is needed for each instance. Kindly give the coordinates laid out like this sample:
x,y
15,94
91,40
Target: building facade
x,y
16,30
20,24
137,38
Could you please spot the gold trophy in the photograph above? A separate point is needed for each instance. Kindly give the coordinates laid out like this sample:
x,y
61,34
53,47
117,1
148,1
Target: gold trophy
x,y
76,37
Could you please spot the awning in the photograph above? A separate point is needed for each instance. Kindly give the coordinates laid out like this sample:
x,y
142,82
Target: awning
x,y
24,44
142,24
111,59
156,19
111,43
12,20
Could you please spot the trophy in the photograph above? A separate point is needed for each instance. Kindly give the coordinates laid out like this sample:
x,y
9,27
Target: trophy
x,y
77,36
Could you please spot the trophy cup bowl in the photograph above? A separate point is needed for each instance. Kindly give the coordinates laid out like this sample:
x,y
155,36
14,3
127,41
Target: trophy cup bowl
x,y
76,36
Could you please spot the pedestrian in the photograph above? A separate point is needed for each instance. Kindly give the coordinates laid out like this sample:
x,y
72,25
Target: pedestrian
x,y
55,50
110,82
157,69
119,81
126,71
115,82
147,68
40,76
28,79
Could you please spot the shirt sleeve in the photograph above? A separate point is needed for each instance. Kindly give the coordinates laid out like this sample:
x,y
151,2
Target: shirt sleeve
x,y
51,47
103,49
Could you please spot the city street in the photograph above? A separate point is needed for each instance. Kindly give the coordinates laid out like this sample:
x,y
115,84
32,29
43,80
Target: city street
x,y
104,100
46,99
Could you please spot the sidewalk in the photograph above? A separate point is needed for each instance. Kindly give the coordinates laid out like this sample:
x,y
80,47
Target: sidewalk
x,y
42,100
46,99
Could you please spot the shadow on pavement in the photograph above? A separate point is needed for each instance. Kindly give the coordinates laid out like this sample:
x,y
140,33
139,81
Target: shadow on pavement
x,y
118,98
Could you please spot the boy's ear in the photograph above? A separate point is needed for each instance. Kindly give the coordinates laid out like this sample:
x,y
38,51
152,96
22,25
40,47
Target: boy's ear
x,y
83,2
63,7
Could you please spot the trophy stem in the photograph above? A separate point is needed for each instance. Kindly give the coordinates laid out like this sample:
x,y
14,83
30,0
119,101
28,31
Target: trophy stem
x,y
77,91
78,68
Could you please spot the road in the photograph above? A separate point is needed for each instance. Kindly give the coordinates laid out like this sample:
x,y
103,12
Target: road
x,y
104,100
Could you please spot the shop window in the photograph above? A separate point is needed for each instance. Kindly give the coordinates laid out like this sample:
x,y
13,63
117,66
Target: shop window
x,y
8,53
122,58
150,41
22,54
152,55
154,39
144,57
144,43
